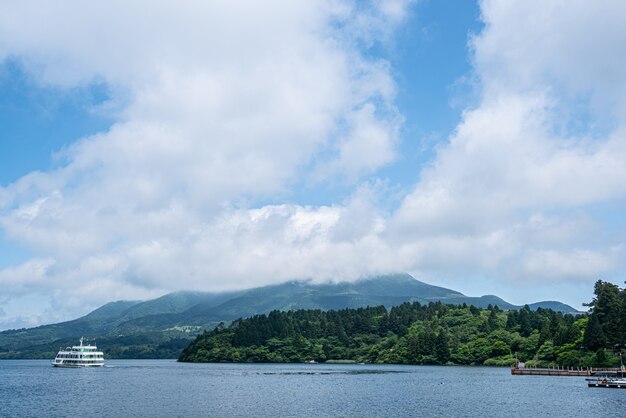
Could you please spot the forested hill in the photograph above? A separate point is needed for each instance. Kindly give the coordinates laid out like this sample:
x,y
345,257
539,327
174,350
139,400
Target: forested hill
x,y
415,333
161,327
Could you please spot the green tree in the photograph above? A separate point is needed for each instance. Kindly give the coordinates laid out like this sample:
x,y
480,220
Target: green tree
x,y
608,308
500,348
546,351
442,350
601,360
594,338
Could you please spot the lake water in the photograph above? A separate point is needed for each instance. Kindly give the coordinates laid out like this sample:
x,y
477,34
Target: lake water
x,y
164,388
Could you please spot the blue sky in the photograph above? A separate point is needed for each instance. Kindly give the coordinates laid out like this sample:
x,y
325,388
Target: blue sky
x,y
475,145
37,121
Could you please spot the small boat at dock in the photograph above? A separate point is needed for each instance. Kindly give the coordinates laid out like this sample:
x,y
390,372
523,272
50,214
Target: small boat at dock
x,y
607,382
616,380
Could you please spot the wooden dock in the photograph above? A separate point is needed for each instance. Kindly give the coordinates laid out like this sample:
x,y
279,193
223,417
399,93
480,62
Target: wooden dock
x,y
572,371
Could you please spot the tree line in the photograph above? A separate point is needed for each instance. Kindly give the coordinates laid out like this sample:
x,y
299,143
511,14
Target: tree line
x,y
413,333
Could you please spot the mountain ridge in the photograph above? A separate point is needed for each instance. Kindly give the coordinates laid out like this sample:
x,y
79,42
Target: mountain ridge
x,y
121,327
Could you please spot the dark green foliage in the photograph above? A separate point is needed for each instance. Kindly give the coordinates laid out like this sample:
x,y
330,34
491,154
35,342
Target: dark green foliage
x,y
607,323
594,335
411,333
499,348
414,333
601,359
442,350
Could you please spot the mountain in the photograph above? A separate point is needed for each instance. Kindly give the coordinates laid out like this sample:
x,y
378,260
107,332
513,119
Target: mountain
x,y
554,305
158,328
112,309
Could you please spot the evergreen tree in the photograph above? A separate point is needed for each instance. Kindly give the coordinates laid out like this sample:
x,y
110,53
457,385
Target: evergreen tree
x,y
608,308
600,358
545,334
594,338
524,321
442,349
492,320
426,343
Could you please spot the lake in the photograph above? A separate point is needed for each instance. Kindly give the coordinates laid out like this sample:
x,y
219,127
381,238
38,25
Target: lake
x,y
33,388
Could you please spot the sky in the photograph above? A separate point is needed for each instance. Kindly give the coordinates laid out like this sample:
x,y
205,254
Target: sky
x,y
149,147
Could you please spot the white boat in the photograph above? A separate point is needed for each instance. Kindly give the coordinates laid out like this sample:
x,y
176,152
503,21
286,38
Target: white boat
x,y
79,356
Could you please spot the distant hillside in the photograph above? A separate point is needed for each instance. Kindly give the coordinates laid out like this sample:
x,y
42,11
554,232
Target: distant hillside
x,y
554,305
112,309
157,328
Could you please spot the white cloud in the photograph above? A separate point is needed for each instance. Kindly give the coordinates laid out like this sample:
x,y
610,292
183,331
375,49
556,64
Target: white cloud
x,y
22,278
364,148
570,46
228,103
487,204
216,104
579,264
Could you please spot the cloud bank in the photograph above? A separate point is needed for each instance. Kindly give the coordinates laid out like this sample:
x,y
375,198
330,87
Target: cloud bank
x,y
222,107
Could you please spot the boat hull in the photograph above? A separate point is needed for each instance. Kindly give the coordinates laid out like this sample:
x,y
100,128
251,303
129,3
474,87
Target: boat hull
x,y
76,366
